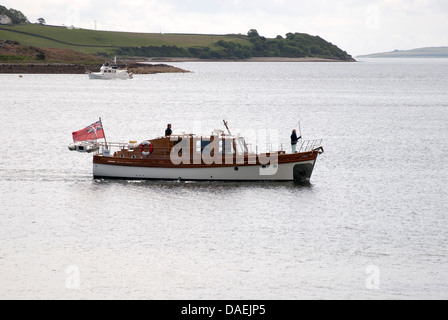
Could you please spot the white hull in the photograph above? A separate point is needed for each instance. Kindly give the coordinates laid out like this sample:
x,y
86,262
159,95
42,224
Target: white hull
x,y
282,172
109,76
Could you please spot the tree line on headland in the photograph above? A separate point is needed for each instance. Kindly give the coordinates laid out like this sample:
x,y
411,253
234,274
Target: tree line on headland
x,y
295,45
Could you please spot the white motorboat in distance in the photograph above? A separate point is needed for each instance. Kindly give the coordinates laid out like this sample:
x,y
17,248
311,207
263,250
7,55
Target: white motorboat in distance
x,y
110,71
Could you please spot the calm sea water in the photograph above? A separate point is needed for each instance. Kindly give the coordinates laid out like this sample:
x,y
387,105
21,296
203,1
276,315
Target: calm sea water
x,y
372,224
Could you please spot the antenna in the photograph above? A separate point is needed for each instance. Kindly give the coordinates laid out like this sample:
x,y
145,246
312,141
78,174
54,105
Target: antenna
x,y
225,124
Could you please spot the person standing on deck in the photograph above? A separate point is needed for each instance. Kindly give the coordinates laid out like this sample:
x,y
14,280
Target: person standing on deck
x,y
294,140
168,131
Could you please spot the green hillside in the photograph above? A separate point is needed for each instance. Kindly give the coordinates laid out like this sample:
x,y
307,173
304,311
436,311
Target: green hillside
x,y
91,41
106,43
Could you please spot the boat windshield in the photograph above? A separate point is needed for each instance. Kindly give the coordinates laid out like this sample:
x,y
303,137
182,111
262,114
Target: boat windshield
x,y
241,145
226,146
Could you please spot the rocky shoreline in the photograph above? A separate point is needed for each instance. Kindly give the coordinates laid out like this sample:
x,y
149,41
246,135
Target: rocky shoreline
x,y
42,68
49,68
150,67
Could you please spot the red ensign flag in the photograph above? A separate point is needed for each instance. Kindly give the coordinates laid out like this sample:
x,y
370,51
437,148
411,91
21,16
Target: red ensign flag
x,y
92,132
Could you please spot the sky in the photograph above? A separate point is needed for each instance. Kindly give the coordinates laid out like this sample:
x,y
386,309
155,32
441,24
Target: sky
x,y
358,27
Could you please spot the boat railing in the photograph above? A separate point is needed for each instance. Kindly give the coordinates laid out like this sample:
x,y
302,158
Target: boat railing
x,y
114,145
309,145
306,146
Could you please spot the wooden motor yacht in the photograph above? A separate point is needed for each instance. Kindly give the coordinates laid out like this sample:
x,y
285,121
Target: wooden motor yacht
x,y
217,157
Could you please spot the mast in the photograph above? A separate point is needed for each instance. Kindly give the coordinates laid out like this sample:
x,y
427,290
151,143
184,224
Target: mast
x,y
104,132
225,123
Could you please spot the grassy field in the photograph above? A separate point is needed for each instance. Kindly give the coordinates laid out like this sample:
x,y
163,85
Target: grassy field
x,y
92,42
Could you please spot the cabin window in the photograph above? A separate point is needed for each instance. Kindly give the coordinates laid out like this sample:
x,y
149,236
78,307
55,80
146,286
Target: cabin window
x,y
226,146
205,146
197,146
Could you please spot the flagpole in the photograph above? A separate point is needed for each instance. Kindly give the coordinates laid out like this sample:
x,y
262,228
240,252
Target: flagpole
x,y
104,133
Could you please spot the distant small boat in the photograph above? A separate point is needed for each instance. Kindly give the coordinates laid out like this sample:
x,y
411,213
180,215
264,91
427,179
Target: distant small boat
x,y
110,72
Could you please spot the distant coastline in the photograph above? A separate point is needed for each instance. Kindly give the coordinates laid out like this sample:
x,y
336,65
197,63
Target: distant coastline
x,y
429,52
